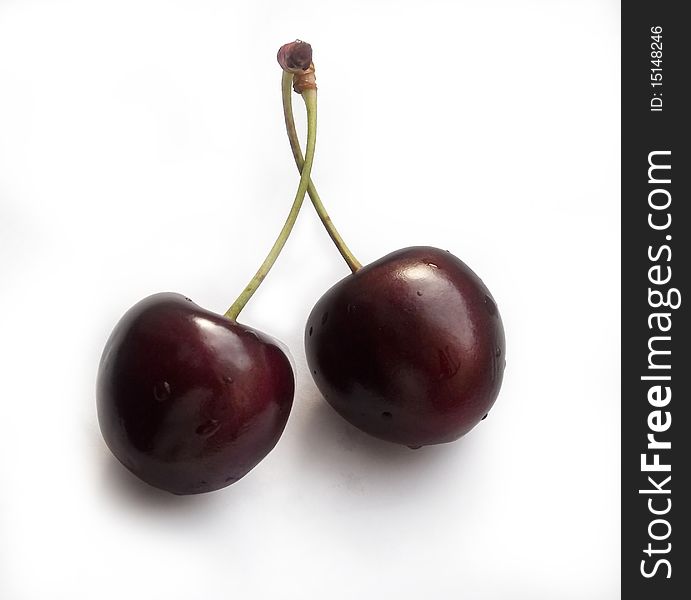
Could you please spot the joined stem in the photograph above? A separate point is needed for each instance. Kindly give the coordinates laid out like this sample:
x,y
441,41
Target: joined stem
x,y
310,98
286,89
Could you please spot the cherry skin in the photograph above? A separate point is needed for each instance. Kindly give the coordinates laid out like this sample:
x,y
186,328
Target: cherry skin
x,y
188,400
409,348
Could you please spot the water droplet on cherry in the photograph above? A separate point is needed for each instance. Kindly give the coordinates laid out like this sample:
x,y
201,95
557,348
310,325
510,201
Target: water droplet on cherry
x,y
208,428
162,391
490,306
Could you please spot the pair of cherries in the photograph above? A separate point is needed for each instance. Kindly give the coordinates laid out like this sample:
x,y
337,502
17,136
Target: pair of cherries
x,y
409,348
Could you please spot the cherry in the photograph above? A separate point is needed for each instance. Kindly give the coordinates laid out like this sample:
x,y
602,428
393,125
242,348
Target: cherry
x,y
409,348
188,400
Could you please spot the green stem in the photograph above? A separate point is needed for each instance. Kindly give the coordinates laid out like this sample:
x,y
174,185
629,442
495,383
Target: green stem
x,y
347,255
310,98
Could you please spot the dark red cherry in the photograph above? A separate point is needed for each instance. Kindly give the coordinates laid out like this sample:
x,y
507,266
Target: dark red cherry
x,y
409,348
188,400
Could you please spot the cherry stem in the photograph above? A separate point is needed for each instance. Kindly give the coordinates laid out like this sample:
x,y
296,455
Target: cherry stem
x,y
347,255
310,98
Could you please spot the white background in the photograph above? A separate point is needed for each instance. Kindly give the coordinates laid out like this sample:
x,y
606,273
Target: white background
x,y
142,149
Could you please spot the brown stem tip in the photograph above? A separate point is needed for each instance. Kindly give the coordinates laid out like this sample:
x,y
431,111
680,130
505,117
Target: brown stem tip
x,y
296,58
